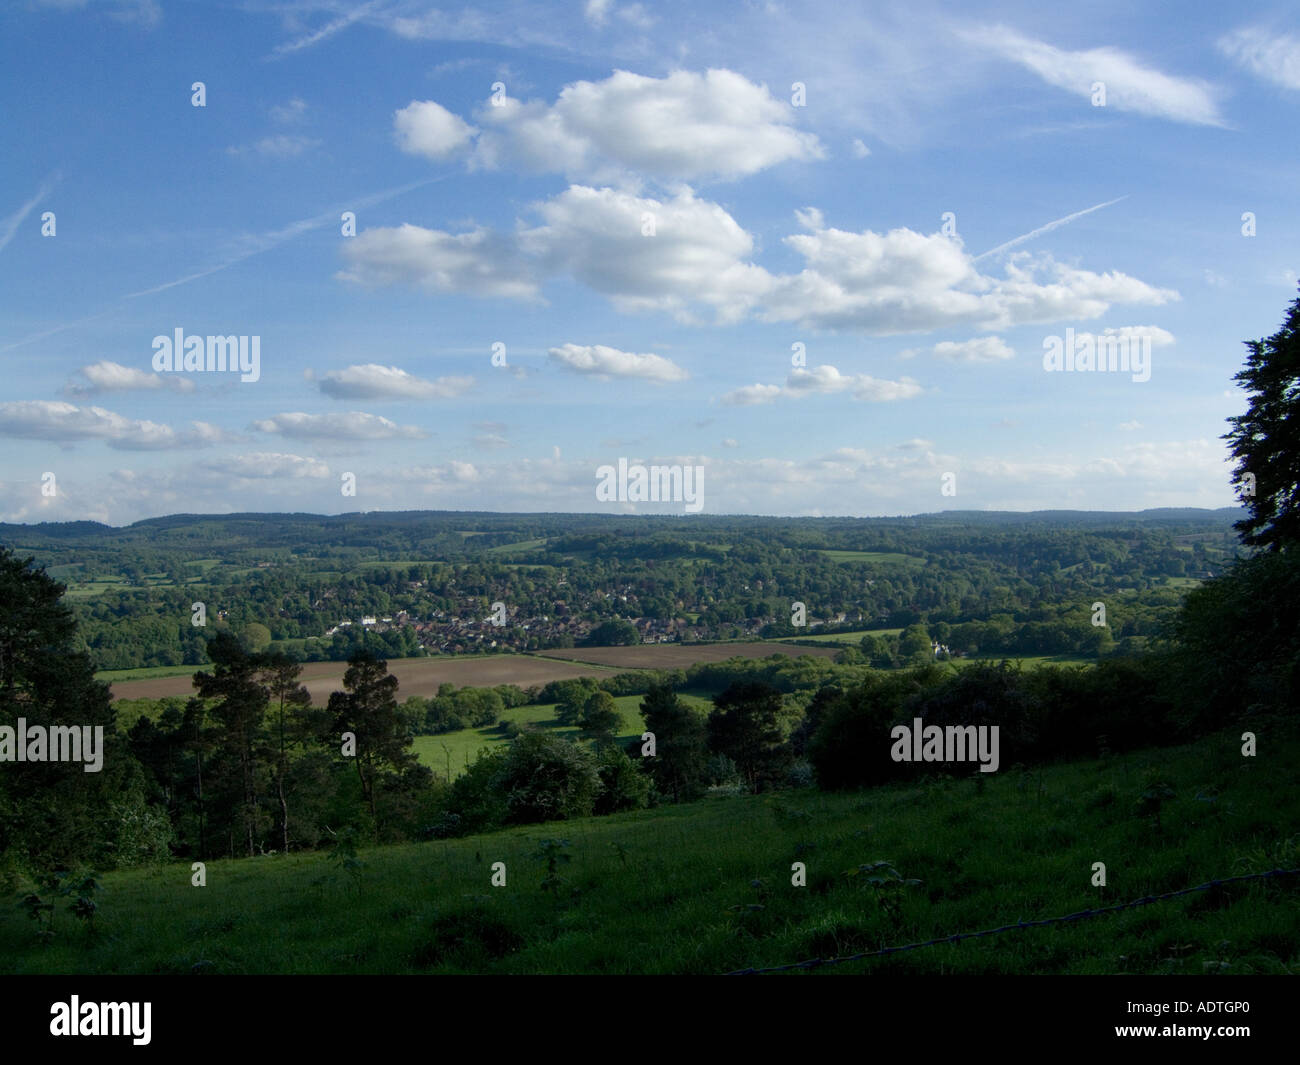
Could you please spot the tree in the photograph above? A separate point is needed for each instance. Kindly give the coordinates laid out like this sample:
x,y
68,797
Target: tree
x,y
295,725
745,725
1266,439
681,749
367,708
240,717
600,714
52,813
613,633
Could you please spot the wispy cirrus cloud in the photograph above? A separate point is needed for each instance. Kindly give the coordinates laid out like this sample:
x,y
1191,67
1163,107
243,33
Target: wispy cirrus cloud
x,y
1130,84
1275,57
9,225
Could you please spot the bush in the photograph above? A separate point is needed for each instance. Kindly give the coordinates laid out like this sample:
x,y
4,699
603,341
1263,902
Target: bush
x,y
624,786
546,778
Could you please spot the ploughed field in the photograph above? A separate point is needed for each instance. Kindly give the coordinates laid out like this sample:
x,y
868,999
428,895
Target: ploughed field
x,y
422,676
415,676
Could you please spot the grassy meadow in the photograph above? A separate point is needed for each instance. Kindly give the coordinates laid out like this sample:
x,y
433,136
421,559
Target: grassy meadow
x,y
457,749
706,888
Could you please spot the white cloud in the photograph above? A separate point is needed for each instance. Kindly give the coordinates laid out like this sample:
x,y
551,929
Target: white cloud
x,y
730,442
684,126
597,11
429,129
65,422
291,111
1274,57
859,148
903,281
354,425
105,376
490,441
480,262
1130,86
265,465
697,255
981,349
279,146
826,380
603,362
372,381
752,395
700,257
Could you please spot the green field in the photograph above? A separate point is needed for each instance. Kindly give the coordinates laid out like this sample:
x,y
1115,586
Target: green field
x,y
849,639
458,749
885,558
147,672
706,888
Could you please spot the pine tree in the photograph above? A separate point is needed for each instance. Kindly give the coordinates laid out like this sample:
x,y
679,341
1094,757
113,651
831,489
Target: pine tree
x,y
1266,439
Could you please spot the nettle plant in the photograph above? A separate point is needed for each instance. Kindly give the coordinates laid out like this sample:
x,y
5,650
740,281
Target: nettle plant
x,y
1150,801
80,889
344,854
552,852
887,884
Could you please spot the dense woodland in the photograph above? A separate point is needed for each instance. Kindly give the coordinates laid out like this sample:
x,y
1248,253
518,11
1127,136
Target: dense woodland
x,y
303,585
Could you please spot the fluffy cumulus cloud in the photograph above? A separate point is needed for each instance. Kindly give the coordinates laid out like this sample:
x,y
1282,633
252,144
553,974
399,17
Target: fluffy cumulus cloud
x,y
479,262
268,465
1130,85
67,423
685,126
825,380
685,255
599,361
981,349
426,128
372,381
354,425
105,376
1275,57
698,253
903,281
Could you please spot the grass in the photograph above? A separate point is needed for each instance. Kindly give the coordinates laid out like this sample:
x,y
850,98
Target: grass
x,y
148,672
879,557
462,747
848,639
706,887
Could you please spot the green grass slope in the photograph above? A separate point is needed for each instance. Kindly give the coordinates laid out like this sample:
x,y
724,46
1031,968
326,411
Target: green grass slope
x,y
707,887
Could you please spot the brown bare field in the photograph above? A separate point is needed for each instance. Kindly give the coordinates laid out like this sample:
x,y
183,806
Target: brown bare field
x,y
679,656
416,676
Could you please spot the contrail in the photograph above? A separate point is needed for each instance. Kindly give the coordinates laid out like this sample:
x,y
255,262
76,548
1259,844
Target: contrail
x,y
1046,229
10,225
261,243
267,241
325,31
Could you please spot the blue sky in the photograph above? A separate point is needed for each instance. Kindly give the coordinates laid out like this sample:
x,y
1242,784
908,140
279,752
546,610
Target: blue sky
x,y
642,207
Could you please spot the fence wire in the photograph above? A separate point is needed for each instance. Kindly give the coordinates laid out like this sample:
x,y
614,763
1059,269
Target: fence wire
x,y
957,937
